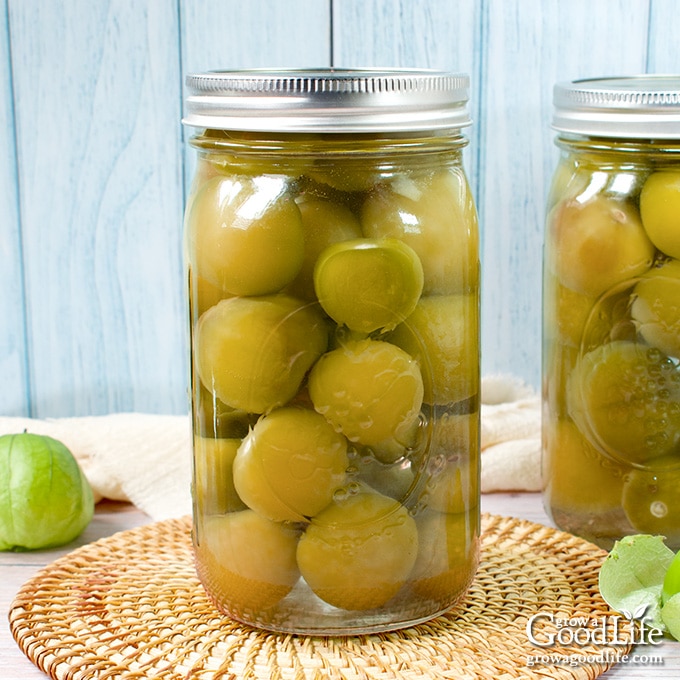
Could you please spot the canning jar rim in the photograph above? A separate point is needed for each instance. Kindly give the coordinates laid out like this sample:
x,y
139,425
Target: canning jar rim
x,y
645,106
328,100
626,146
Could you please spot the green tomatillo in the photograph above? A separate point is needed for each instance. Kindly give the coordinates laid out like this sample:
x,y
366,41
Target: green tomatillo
x,y
45,499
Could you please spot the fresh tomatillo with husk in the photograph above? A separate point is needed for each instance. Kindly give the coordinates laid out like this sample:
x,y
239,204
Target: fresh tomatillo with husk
x,y
45,499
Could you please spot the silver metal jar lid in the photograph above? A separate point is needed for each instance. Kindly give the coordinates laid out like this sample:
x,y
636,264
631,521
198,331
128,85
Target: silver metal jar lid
x,y
327,100
636,107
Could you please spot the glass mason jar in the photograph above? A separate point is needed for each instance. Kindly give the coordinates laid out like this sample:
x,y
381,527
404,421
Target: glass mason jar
x,y
333,269
611,325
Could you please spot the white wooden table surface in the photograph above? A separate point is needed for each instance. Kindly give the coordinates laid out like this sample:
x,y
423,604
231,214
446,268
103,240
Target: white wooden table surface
x,y
16,568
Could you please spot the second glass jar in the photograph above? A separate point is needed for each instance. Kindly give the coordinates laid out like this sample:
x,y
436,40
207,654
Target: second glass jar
x,y
334,308
611,362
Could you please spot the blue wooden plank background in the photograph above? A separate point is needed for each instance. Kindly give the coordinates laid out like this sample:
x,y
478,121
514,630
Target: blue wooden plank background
x,y
94,164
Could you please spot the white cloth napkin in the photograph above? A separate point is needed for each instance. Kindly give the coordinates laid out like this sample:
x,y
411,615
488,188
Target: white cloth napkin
x,y
146,459
510,435
137,457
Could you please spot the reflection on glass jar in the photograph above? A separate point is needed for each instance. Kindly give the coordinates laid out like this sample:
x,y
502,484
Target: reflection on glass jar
x,y
611,323
333,278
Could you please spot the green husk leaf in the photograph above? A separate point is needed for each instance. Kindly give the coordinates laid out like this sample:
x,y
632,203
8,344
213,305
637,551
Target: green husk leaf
x,y
670,615
631,577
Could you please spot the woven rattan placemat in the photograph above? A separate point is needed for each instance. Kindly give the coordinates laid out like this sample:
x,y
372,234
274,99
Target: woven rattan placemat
x,y
131,606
